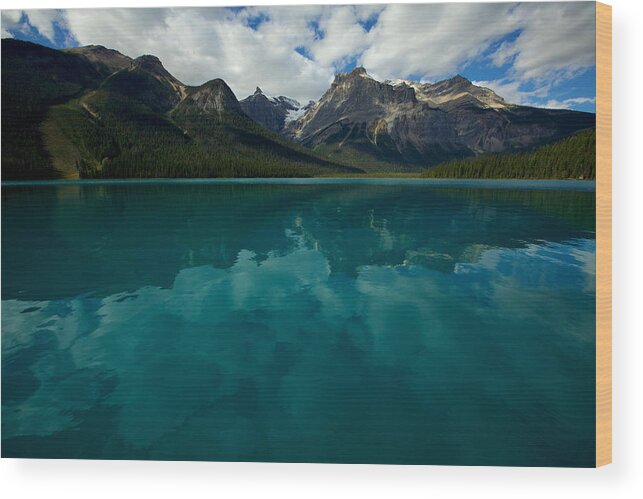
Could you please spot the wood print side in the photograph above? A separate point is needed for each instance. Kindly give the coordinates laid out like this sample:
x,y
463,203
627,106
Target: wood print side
x,y
603,234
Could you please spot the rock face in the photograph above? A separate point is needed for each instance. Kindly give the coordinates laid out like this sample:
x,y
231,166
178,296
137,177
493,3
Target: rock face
x,y
153,66
134,108
412,125
272,113
454,92
106,61
213,97
118,117
146,81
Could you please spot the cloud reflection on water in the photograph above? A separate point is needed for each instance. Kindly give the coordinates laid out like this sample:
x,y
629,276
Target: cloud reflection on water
x,y
273,356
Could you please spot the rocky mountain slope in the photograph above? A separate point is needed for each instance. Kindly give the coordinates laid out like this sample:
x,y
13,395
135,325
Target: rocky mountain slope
x,y
272,113
92,112
105,61
406,125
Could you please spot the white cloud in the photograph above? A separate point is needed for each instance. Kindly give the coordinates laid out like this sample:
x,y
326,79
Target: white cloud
x,y
557,40
344,36
569,103
197,45
510,90
433,40
10,19
44,21
552,42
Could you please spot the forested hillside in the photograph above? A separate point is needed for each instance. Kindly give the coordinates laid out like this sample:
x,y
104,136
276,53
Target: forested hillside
x,y
34,78
570,158
62,118
91,112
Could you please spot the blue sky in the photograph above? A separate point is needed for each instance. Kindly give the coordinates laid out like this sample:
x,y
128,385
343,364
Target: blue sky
x,y
539,54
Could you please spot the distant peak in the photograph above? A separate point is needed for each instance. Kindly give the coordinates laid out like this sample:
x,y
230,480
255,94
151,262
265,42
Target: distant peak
x,y
149,62
215,95
149,58
153,66
360,71
356,74
217,86
460,79
258,91
96,49
216,83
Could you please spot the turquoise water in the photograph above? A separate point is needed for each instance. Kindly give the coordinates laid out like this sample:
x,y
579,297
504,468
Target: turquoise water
x,y
351,321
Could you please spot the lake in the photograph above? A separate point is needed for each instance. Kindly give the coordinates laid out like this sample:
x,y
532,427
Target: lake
x,y
320,320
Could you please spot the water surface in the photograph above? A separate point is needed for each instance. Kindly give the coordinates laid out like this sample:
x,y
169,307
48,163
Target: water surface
x,y
326,320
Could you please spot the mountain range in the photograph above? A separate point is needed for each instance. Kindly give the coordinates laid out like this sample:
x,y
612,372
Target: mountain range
x,y
94,112
410,125
274,113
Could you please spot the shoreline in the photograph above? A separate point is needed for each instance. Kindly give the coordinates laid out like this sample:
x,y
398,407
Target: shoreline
x,y
543,184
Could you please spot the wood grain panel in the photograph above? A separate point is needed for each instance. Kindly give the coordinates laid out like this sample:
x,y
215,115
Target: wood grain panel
x,y
603,234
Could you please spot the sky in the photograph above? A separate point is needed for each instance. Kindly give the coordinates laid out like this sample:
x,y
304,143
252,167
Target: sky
x,y
538,54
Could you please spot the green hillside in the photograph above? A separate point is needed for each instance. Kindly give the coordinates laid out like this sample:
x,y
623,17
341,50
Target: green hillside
x,y
61,119
570,158
33,79
92,112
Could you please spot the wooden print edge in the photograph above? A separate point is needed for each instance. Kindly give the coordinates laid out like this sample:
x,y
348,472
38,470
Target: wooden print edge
x,y
603,234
